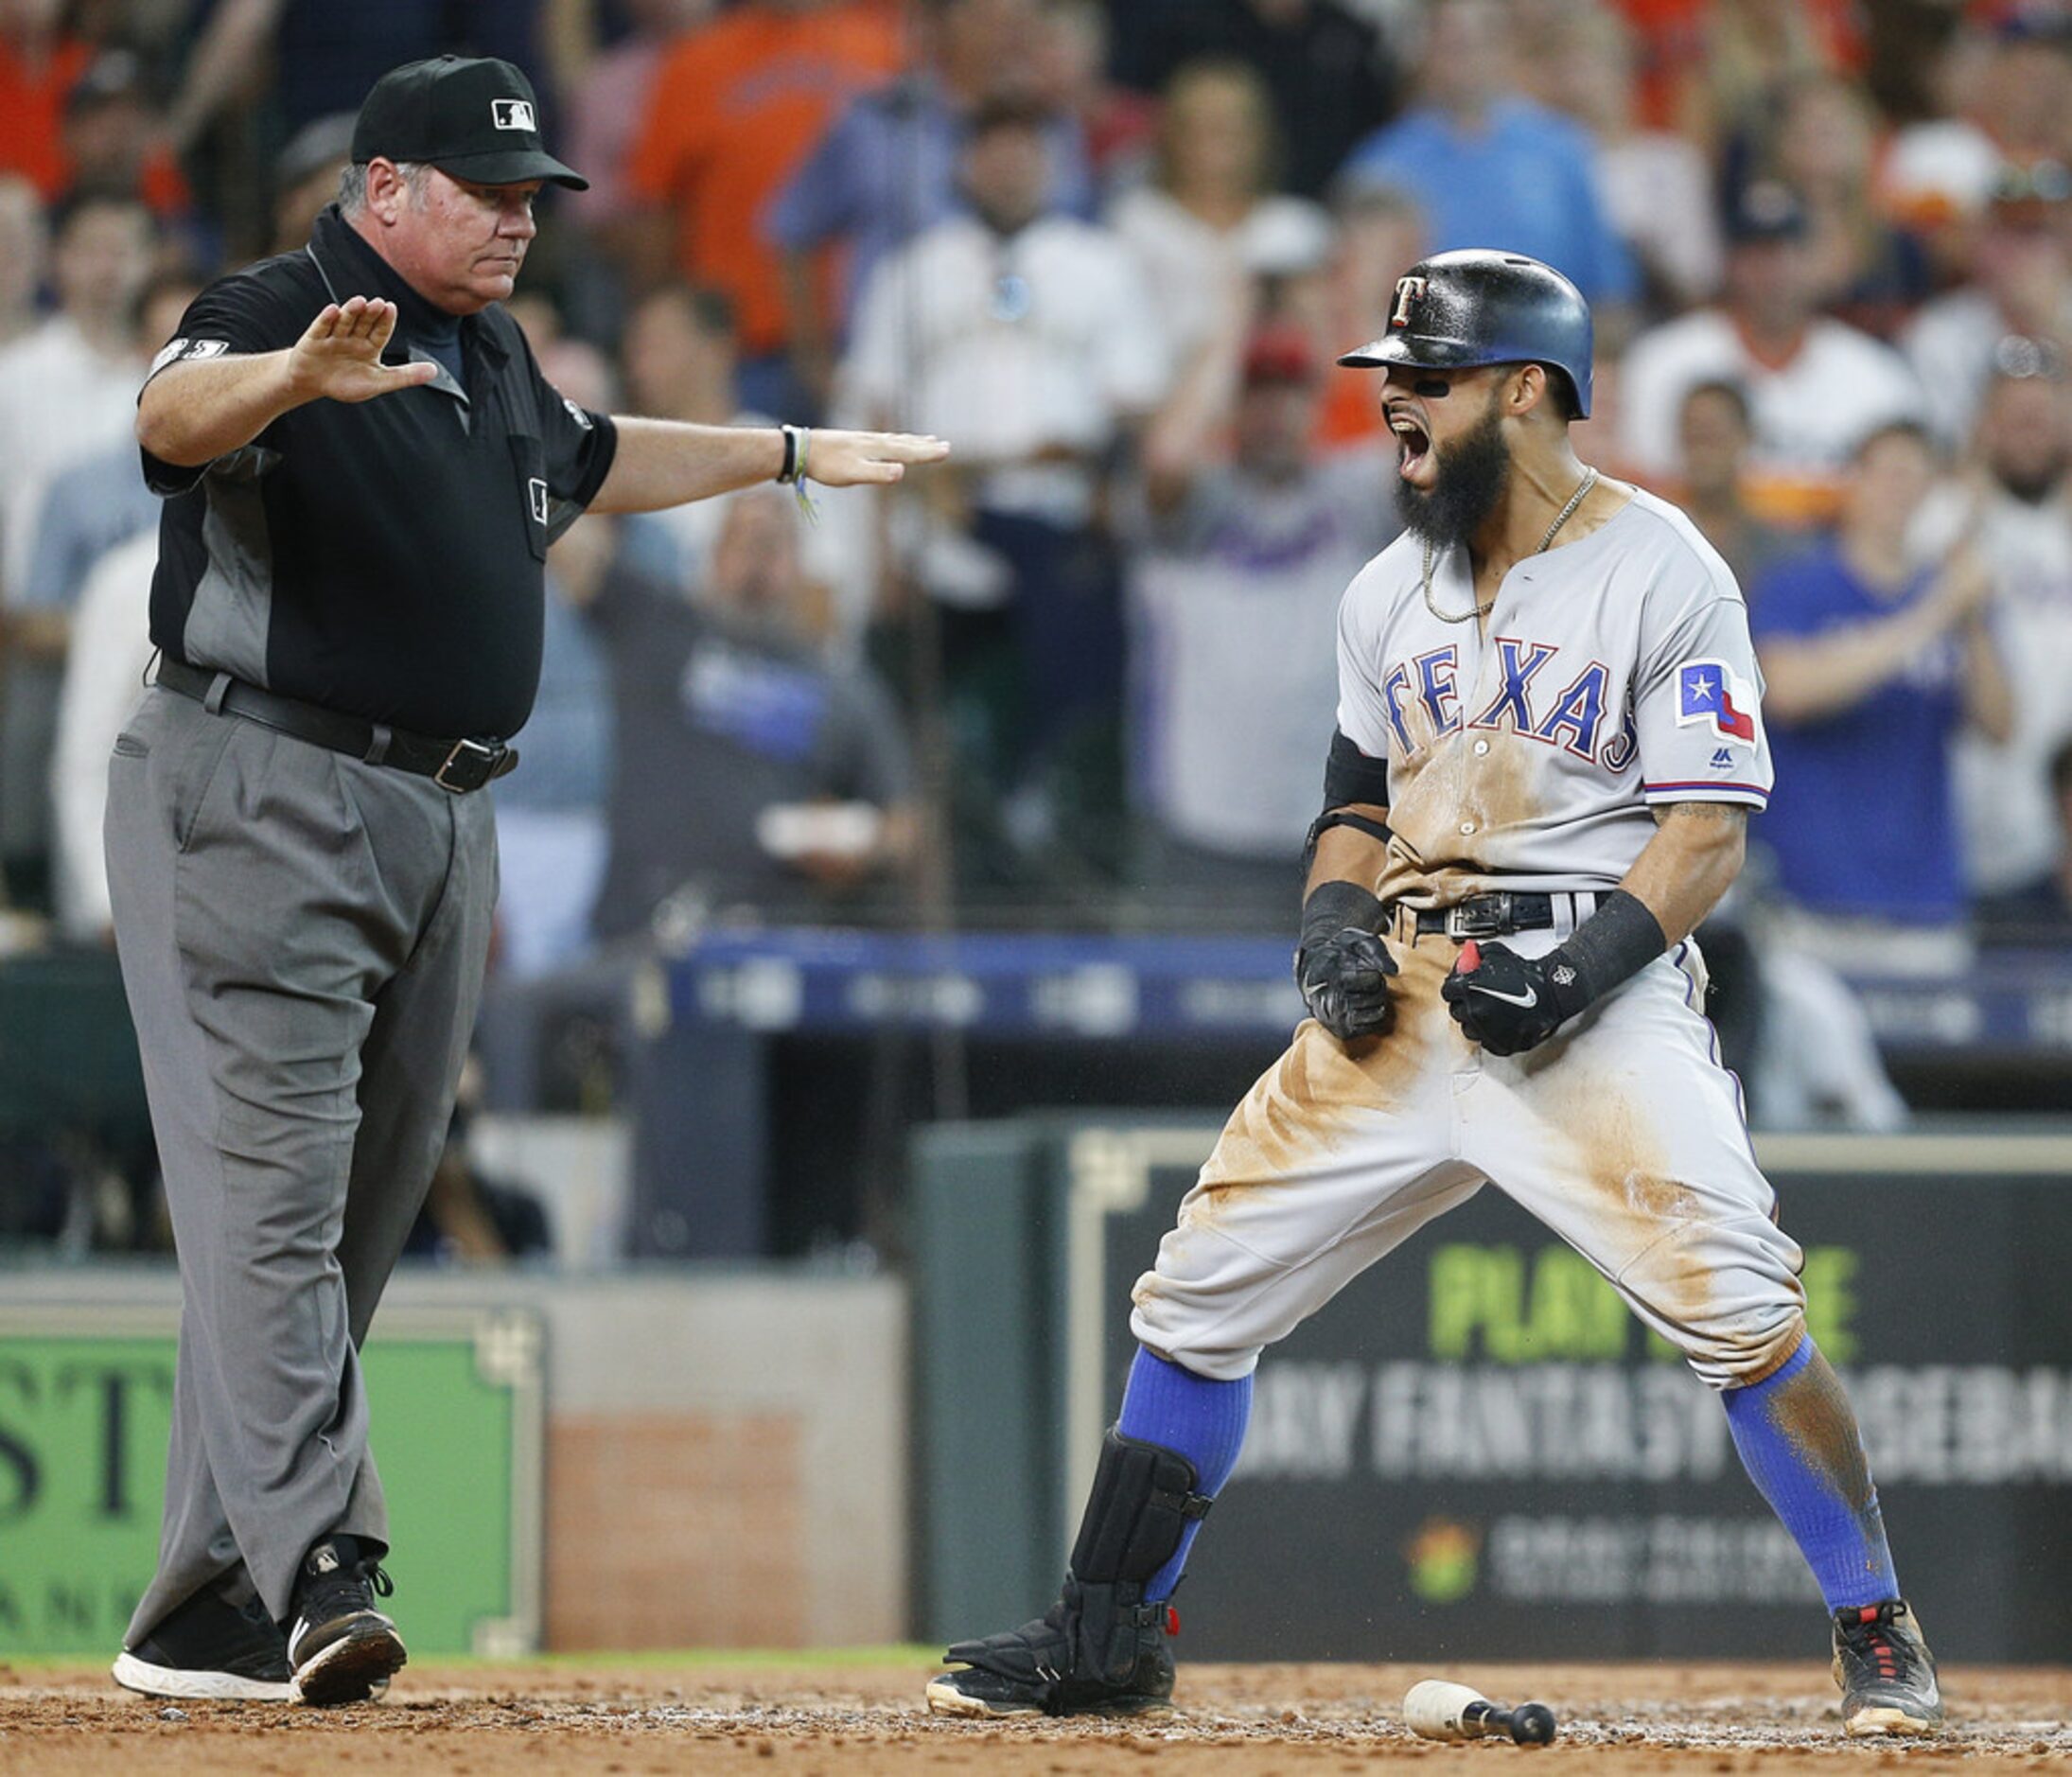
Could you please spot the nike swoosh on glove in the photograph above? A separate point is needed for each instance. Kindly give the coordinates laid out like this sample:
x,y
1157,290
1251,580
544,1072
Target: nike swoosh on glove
x,y
1507,1002
1343,978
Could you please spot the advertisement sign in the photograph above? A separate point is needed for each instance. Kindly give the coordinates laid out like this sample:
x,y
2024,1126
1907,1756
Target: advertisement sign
x,y
86,1405
1477,1452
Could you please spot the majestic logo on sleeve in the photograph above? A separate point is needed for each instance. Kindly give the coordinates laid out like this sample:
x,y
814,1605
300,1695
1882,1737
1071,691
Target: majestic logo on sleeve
x,y
1710,691
512,113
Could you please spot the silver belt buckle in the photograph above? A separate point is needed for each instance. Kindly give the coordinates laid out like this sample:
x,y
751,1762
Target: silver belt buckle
x,y
1480,916
472,753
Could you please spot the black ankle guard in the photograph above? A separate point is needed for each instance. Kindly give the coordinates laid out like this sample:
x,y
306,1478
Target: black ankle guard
x,y
1142,1497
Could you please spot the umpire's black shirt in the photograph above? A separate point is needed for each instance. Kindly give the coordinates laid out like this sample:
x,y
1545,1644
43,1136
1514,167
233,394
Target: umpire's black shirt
x,y
384,559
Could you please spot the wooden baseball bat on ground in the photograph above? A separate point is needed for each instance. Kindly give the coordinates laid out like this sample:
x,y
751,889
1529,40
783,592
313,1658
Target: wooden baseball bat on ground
x,y
1435,1709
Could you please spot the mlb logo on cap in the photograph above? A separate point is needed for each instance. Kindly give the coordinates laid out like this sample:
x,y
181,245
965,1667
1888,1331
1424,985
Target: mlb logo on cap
x,y
474,118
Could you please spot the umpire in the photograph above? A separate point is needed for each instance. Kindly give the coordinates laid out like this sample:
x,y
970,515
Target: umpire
x,y
362,470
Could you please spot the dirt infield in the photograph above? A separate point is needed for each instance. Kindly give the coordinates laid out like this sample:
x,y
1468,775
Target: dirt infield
x,y
835,1719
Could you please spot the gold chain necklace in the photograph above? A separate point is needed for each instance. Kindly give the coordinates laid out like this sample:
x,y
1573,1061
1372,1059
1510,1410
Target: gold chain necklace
x,y
1561,518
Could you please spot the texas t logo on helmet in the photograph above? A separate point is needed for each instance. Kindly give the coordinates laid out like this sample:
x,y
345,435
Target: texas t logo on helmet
x,y
1480,306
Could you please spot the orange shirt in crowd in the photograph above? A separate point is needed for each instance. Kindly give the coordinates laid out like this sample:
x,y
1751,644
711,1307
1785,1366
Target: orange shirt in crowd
x,y
736,107
32,112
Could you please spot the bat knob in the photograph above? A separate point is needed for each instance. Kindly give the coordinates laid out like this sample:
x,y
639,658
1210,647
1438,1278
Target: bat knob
x,y
1533,1724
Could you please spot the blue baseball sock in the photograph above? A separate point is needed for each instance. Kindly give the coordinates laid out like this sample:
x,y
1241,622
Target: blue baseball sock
x,y
1798,1438
1204,1420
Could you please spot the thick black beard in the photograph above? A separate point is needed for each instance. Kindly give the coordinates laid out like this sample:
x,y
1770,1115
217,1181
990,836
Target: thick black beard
x,y
1473,473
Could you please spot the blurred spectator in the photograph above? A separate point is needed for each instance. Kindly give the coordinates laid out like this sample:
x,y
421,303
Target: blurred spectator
x,y
1325,65
2039,909
551,814
748,772
1872,666
113,137
104,672
1119,127
605,91
327,56
2021,501
887,169
1028,337
1490,167
1714,434
68,389
39,59
2021,284
1824,147
1752,50
1816,386
67,395
736,107
1210,213
23,247
1236,578
101,501
679,358
2023,85
1657,184
471,1218
1381,234
306,176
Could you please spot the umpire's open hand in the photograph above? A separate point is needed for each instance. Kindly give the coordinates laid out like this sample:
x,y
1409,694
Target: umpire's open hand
x,y
846,459
338,358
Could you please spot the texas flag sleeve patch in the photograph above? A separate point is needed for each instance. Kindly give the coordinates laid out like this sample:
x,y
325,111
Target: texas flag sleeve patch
x,y
1709,690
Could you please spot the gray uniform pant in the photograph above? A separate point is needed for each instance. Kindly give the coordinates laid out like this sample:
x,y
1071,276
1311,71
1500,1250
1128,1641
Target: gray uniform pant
x,y
303,939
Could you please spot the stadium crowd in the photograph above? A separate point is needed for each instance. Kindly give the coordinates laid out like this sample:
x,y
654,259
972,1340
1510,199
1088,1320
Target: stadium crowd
x,y
1110,250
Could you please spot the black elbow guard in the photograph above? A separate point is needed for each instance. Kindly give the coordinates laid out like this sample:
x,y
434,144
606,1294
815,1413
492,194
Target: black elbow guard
x,y
1350,776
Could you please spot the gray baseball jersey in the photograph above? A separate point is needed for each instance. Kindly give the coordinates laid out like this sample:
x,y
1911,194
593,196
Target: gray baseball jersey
x,y
1617,672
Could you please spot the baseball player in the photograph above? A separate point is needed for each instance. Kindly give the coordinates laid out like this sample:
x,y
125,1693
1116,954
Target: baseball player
x,y
363,469
1550,739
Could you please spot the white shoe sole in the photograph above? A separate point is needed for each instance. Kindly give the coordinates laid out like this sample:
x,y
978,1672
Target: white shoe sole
x,y
1870,1724
181,1684
944,1698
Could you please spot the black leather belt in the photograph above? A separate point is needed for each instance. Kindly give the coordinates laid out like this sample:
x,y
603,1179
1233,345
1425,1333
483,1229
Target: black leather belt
x,y
1495,915
458,766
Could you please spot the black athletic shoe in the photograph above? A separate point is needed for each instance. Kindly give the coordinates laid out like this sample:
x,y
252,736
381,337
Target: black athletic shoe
x,y
1886,1671
341,1649
209,1649
1092,1653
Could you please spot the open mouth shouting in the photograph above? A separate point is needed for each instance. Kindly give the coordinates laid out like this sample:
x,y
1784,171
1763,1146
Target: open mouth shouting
x,y
1415,462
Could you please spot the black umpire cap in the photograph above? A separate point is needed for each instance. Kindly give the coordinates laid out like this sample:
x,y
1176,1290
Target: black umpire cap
x,y
476,118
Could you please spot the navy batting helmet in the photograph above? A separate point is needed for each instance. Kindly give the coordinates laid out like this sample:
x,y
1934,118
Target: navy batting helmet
x,y
1455,311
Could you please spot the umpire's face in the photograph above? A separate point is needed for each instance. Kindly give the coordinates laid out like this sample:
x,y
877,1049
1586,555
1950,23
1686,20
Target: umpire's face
x,y
458,245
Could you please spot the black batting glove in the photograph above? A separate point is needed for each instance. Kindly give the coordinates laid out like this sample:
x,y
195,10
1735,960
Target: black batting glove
x,y
1341,966
1509,1003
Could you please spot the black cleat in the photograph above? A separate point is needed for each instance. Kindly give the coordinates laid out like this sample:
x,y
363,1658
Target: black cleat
x,y
341,1649
1090,1654
213,1650
1886,1671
